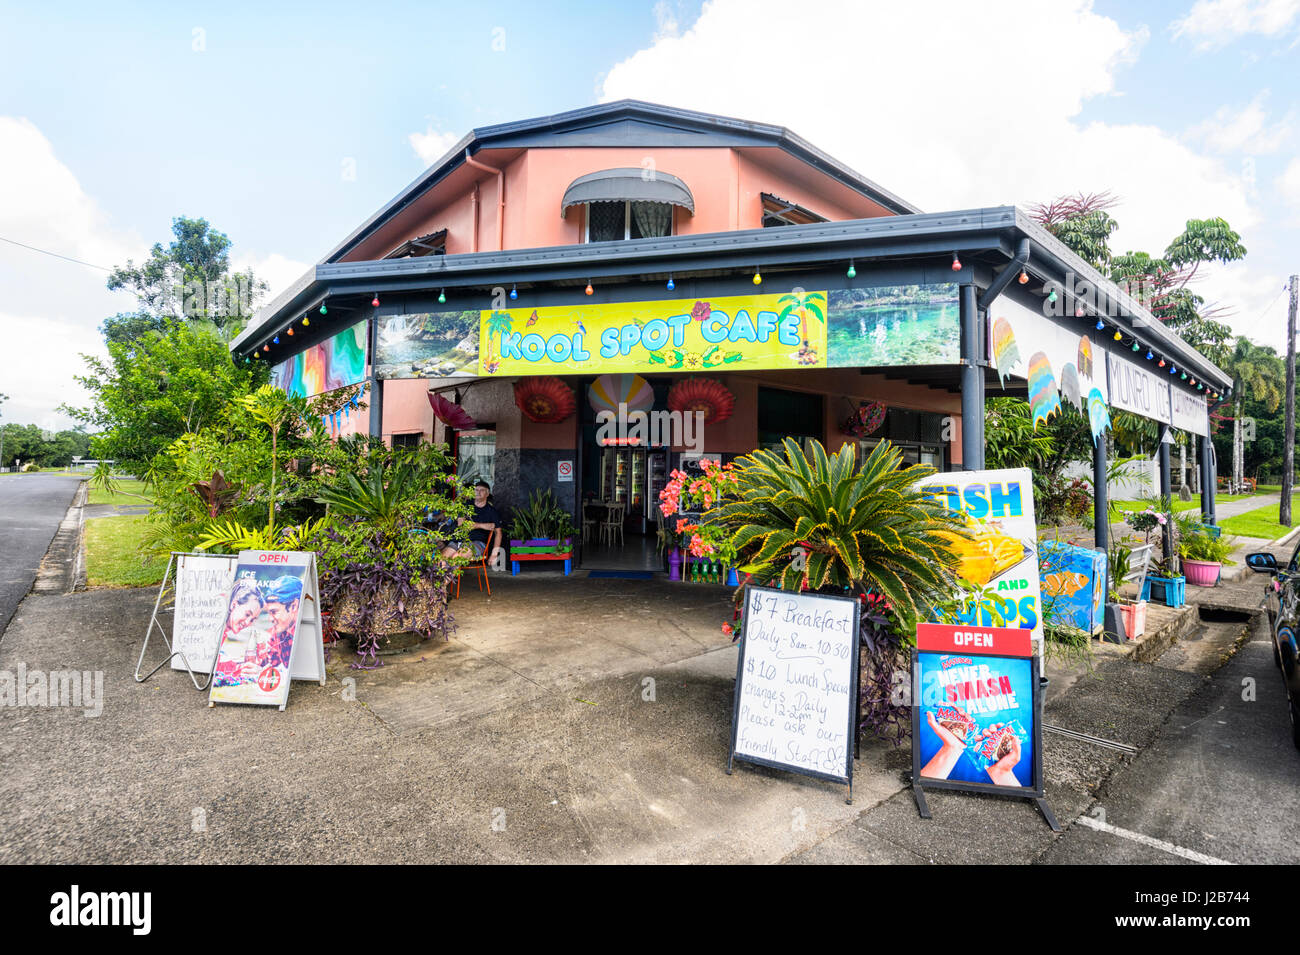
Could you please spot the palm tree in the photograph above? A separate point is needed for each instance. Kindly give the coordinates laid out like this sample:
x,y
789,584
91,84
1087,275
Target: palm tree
x,y
1258,372
803,302
499,324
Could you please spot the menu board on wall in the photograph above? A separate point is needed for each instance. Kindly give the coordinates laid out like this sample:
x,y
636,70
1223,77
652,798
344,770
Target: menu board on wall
x,y
1136,388
1189,412
797,683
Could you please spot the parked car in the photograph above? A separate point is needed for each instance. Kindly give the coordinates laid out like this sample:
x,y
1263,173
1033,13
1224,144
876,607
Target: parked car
x,y
1283,603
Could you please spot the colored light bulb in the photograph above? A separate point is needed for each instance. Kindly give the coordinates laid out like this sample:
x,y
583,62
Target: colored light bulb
x,y
852,272
442,297
671,284
323,309
589,289
514,293
375,301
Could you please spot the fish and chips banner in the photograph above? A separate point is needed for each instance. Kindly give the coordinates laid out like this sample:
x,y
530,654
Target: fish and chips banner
x,y
270,633
976,713
1000,560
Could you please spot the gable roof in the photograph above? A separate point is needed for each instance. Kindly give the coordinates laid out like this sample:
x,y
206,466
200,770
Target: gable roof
x,y
622,123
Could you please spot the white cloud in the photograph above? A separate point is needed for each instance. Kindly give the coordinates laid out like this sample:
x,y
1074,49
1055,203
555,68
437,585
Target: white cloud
x,y
278,271
1288,184
1243,129
431,145
52,307
949,113
1215,23
667,21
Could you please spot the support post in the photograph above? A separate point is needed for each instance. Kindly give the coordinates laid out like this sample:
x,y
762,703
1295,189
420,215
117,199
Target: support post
x,y
1205,478
1212,480
1100,504
376,385
1166,484
972,382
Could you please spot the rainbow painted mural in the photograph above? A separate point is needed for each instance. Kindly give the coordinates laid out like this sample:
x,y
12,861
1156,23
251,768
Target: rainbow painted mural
x,y
334,363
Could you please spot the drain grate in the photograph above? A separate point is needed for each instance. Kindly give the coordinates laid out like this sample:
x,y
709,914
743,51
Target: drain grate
x,y
1224,615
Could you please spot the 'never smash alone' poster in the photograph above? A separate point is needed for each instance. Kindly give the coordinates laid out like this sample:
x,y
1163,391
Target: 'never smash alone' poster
x,y
977,719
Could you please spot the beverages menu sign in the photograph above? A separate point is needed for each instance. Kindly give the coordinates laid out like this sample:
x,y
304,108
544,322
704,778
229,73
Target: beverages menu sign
x,y
797,683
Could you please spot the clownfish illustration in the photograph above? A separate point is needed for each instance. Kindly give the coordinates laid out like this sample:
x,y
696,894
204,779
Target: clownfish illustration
x,y
1064,583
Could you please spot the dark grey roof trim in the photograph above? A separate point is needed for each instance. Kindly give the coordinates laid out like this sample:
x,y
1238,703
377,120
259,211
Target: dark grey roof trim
x,y
997,229
627,184
712,131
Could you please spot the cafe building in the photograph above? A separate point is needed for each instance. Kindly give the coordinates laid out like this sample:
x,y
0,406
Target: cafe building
x,y
583,302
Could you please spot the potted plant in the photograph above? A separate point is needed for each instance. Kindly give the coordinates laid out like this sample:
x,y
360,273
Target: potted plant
x,y
1203,557
1133,610
822,523
383,570
542,530
1165,581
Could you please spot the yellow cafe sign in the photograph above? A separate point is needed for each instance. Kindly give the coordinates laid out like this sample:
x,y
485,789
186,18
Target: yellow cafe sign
x,y
734,333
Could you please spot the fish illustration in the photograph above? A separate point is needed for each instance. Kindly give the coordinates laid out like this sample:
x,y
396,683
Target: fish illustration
x,y
1064,583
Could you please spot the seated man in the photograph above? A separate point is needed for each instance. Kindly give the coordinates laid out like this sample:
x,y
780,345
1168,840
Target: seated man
x,y
485,526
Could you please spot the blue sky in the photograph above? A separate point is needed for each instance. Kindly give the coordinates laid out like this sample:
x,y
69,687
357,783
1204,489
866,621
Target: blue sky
x,y
113,121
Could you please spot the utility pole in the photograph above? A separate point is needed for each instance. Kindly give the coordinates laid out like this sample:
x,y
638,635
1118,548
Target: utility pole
x,y
3,399
1288,442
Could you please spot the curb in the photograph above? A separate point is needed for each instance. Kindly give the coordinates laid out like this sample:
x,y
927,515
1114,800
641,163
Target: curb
x,y
63,569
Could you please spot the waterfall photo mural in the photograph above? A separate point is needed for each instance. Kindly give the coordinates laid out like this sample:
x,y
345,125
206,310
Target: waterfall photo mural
x,y
427,345
893,325
337,362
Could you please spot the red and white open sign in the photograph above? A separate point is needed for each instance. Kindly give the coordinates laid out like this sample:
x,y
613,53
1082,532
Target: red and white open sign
x,y
997,641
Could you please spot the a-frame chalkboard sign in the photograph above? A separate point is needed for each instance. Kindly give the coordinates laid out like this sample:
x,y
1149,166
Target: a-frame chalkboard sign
x,y
797,684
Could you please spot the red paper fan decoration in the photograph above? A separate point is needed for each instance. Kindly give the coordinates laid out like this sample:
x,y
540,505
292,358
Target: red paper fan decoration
x,y
702,394
545,400
451,414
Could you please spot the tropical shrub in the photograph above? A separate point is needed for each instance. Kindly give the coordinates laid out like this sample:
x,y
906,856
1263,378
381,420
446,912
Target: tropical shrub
x,y
543,518
826,525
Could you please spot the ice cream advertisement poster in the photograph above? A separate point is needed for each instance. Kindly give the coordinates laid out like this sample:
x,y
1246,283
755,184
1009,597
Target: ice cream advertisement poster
x,y
733,333
999,561
976,719
263,613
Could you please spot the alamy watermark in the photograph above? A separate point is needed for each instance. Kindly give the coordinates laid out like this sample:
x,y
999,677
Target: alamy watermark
x,y
78,689
652,428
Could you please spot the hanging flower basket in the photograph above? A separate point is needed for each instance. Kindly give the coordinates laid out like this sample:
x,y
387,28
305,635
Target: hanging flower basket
x,y
865,420
702,394
545,400
451,414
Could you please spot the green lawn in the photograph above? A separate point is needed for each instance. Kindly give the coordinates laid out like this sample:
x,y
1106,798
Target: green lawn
x,y
114,556
126,488
1261,522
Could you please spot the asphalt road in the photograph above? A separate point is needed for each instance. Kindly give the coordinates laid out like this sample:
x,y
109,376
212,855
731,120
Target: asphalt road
x,y
31,507
1219,782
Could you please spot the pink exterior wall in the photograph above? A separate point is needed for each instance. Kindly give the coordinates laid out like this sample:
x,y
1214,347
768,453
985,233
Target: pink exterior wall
x,y
725,182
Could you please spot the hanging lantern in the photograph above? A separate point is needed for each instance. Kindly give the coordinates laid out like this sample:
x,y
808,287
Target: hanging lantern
x,y
702,394
609,391
545,400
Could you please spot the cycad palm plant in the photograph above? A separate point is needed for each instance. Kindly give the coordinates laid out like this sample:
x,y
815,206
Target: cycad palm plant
x,y
867,530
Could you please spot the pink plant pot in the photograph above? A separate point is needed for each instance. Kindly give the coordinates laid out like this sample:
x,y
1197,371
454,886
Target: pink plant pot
x,y
1202,573
1135,619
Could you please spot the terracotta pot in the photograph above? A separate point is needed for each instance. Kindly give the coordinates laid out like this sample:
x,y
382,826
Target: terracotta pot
x,y
1202,573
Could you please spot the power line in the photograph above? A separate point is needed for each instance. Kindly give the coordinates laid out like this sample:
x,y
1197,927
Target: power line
x,y
66,258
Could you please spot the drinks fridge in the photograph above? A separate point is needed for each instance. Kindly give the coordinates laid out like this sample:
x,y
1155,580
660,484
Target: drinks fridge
x,y
633,477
